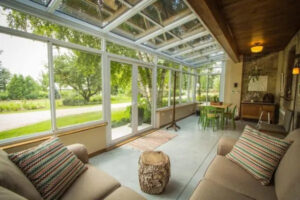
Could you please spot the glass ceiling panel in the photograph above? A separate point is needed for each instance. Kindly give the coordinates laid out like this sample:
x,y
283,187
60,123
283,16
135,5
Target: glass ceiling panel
x,y
167,11
89,10
201,51
135,28
200,40
160,40
178,48
187,29
42,2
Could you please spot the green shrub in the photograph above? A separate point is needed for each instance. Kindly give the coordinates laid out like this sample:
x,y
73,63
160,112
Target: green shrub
x,y
97,99
3,96
73,101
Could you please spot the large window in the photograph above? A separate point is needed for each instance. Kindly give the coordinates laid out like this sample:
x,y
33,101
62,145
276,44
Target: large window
x,y
209,82
78,82
163,87
24,85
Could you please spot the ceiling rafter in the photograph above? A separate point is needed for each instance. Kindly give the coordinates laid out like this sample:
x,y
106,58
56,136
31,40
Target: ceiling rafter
x,y
202,54
185,40
209,59
128,14
167,28
201,46
53,5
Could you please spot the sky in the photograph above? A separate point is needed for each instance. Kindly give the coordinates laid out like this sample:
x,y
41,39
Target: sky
x,y
22,56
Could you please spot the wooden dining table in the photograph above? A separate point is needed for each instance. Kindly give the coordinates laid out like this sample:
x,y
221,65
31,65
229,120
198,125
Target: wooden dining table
x,y
222,108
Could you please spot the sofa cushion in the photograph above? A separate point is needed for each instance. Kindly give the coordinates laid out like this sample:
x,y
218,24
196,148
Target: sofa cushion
x,y
232,176
50,166
287,175
12,178
91,185
124,193
9,195
210,190
225,145
258,153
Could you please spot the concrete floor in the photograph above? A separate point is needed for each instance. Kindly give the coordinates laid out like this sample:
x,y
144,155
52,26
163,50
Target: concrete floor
x,y
190,153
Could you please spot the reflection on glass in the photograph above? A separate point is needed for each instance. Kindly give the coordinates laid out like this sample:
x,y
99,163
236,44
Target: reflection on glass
x,y
121,97
144,97
77,77
187,29
91,12
24,87
179,48
163,78
42,2
133,2
165,12
201,40
187,88
135,28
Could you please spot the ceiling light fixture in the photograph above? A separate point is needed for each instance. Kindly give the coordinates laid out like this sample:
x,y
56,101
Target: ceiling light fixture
x,y
257,48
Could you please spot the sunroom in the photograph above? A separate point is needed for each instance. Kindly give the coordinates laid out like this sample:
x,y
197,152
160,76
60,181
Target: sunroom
x,y
120,79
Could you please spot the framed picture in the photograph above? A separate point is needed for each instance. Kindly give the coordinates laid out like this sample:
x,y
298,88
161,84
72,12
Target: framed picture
x,y
282,82
299,89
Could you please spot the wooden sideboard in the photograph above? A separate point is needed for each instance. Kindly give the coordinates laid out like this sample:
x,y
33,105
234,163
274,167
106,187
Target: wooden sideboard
x,y
253,110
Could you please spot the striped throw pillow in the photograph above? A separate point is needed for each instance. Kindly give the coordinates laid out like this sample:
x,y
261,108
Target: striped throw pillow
x,y
258,153
51,167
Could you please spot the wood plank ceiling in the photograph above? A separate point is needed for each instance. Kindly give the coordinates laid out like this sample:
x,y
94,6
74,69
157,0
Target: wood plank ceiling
x,y
271,22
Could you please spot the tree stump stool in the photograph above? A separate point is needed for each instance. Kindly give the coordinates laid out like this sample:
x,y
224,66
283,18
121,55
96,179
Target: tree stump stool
x,y
154,171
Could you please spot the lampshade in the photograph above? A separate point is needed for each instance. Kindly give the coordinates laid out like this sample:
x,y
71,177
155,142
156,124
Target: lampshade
x,y
257,48
296,70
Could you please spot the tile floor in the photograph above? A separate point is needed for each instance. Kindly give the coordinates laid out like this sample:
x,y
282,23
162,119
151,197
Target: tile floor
x,y
190,154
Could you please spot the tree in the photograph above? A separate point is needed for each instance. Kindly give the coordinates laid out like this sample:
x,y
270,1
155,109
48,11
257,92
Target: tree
x,y
4,76
81,71
22,88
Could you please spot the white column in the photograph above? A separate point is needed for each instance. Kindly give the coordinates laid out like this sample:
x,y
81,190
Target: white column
x,y
51,87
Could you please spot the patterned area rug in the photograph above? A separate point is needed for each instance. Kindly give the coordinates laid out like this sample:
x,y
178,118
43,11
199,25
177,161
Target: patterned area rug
x,y
151,141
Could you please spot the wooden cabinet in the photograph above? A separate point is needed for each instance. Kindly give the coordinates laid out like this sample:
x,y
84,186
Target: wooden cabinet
x,y
253,110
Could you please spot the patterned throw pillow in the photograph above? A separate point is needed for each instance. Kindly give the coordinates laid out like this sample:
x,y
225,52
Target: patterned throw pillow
x,y
51,167
258,153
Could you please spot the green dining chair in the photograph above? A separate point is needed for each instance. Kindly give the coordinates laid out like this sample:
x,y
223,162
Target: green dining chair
x,y
229,115
211,117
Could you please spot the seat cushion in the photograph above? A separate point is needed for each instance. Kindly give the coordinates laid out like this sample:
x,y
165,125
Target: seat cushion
x,y
124,193
50,166
258,153
12,178
9,195
287,175
93,184
209,190
232,176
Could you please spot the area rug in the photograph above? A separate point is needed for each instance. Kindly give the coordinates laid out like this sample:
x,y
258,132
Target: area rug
x,y
151,141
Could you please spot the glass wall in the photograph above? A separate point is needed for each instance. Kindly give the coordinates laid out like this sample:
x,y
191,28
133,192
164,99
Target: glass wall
x,y
78,86
24,87
163,87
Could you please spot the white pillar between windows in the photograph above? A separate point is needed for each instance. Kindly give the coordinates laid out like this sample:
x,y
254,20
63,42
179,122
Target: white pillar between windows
x,y
106,92
51,87
154,92
222,82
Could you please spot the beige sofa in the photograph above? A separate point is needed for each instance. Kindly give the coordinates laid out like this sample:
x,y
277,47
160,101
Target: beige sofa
x,y
93,184
224,180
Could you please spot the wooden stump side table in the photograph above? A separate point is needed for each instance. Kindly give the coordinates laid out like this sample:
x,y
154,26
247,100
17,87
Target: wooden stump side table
x,y
154,171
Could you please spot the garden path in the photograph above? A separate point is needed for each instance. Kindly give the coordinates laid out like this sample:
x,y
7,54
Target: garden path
x,y
15,120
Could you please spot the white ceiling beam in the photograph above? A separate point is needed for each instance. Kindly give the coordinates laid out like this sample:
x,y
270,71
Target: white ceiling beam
x,y
187,39
201,46
207,60
53,5
202,54
167,28
128,14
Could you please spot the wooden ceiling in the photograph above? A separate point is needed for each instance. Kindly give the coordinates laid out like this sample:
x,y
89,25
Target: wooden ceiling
x,y
271,22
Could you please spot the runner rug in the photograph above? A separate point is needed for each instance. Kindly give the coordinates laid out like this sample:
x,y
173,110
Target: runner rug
x,y
152,140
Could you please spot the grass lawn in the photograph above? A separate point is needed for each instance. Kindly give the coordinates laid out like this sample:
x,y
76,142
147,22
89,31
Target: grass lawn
x,y
117,115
